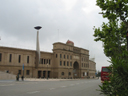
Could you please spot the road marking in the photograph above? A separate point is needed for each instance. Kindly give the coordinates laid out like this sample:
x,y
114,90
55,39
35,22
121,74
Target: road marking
x,y
63,86
33,92
7,85
71,84
11,84
77,83
3,85
52,88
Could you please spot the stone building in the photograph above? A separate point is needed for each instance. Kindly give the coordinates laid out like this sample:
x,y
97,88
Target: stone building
x,y
66,61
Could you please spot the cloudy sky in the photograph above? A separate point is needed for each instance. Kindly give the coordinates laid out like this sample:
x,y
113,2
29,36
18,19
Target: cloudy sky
x,y
60,20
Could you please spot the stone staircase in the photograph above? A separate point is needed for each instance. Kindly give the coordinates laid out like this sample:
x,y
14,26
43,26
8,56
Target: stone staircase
x,y
7,76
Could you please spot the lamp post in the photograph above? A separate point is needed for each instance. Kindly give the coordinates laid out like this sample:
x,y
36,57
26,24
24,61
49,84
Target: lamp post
x,y
37,46
68,72
47,71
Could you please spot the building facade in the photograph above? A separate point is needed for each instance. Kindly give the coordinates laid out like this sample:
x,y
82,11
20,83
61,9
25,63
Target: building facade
x,y
66,61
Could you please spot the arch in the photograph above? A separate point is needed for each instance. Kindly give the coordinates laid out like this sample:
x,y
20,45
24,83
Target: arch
x,y
75,70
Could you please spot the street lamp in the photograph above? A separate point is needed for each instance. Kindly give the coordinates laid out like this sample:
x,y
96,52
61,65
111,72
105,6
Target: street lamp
x,y
68,72
37,46
47,71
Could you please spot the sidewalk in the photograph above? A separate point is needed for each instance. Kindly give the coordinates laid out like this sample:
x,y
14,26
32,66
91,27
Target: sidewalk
x,y
44,79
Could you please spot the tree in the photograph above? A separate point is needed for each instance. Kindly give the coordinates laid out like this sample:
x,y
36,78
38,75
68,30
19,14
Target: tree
x,y
113,35
113,38
114,9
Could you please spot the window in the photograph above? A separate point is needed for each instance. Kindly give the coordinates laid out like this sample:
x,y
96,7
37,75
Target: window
x,y
27,72
27,59
62,73
0,56
10,57
83,73
19,58
60,56
60,63
84,65
70,63
64,56
70,57
64,63
67,63
49,61
56,55
69,73
19,72
42,61
67,56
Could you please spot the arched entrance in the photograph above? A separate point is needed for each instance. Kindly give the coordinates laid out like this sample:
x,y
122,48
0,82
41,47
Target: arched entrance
x,y
75,70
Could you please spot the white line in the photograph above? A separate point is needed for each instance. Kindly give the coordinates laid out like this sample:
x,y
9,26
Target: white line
x,y
77,83
52,88
33,92
63,86
3,85
71,84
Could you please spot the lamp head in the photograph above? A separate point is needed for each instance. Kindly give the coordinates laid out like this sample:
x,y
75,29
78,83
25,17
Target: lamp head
x,y
38,27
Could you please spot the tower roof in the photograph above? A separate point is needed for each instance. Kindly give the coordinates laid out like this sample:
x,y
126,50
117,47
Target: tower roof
x,y
70,42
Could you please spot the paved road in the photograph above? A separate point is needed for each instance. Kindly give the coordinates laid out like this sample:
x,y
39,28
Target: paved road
x,y
85,87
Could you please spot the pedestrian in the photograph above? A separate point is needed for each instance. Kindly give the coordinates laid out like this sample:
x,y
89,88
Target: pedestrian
x,y
17,77
22,77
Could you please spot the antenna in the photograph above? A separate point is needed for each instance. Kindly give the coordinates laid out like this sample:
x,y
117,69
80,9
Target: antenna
x,y
58,36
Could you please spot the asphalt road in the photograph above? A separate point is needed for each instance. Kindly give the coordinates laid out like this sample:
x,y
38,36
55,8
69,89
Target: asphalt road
x,y
86,87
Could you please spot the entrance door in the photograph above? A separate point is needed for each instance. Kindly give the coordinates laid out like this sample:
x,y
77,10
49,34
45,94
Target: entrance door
x,y
76,70
39,74
49,74
44,74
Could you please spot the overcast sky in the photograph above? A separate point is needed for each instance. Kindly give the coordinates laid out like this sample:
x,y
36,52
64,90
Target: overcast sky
x,y
61,20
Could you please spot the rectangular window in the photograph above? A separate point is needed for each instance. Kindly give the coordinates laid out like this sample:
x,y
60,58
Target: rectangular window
x,y
41,61
44,61
64,63
70,63
27,59
49,61
64,56
70,57
67,63
60,56
56,55
10,57
60,63
67,56
19,72
0,56
27,72
19,58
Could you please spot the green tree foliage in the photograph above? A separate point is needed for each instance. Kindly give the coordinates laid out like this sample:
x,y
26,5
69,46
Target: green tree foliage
x,y
113,36
114,9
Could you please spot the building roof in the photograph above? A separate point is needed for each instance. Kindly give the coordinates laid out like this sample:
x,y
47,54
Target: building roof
x,y
69,42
